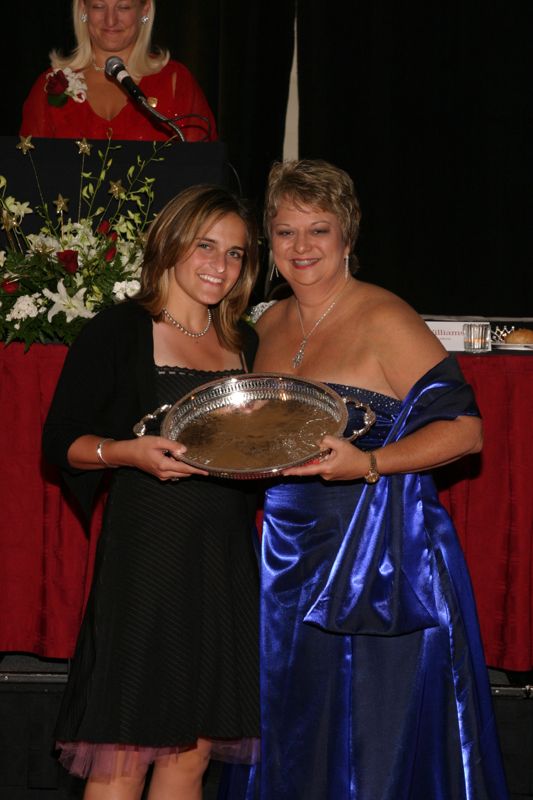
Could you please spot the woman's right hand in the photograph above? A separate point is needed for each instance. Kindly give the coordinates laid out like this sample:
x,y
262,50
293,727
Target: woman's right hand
x,y
153,454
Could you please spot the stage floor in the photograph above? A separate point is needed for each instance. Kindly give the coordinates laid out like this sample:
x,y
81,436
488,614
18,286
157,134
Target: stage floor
x,y
31,689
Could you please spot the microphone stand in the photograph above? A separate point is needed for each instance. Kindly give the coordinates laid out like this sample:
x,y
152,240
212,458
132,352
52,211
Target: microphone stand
x,y
115,69
161,117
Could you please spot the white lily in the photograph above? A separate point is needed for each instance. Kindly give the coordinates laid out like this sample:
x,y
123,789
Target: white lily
x,y
71,306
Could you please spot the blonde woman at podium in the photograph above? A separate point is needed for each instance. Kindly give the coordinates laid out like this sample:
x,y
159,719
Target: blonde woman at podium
x,y
165,670
115,84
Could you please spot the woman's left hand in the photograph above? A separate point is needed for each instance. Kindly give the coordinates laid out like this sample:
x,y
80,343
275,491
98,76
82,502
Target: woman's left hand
x,y
342,462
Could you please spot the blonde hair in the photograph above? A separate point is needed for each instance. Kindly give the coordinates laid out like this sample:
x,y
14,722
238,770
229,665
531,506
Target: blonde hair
x,y
142,61
170,239
314,183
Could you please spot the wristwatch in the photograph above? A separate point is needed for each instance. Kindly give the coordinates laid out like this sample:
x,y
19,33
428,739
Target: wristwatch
x,y
372,476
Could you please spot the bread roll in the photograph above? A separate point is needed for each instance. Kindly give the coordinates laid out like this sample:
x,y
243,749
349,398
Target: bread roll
x,y
519,336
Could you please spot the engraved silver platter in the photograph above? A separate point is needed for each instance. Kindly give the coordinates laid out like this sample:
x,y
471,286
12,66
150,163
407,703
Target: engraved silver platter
x,y
256,424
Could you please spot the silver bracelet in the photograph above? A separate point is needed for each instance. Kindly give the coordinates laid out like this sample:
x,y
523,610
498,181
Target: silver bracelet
x,y
101,458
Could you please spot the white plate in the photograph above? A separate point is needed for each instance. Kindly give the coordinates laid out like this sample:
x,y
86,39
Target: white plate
x,y
511,346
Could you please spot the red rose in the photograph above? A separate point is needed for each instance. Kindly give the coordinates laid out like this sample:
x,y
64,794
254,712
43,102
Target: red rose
x,y
103,227
10,287
69,260
56,83
110,253
113,236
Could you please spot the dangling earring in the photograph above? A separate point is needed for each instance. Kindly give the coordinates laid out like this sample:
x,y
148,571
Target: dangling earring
x,y
83,17
346,267
144,19
273,271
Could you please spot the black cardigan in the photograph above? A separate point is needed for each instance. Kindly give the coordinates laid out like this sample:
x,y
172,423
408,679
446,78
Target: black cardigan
x,y
106,385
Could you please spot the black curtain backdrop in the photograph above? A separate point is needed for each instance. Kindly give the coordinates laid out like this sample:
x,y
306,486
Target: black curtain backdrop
x,y
428,105
241,53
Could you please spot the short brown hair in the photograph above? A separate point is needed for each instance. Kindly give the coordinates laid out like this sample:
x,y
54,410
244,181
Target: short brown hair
x,y
313,182
170,238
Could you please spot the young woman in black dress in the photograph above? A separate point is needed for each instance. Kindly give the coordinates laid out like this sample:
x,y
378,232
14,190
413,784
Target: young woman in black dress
x,y
165,669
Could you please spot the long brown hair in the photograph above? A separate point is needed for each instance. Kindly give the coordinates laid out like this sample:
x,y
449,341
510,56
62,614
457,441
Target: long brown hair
x,y
170,239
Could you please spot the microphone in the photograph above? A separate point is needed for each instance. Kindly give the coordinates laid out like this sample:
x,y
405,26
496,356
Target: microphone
x,y
116,70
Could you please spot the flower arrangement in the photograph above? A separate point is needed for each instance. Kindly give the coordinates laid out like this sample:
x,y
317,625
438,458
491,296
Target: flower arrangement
x,y
52,281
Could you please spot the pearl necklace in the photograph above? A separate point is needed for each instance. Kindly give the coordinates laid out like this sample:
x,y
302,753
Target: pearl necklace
x,y
299,356
183,329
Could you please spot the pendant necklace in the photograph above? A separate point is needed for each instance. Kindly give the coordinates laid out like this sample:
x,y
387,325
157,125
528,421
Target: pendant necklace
x,y
185,330
299,356
100,69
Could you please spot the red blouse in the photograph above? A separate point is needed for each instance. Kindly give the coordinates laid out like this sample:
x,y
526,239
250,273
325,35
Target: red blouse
x,y
177,93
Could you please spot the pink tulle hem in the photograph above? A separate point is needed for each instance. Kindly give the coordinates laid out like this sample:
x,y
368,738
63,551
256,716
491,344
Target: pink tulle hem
x,y
107,761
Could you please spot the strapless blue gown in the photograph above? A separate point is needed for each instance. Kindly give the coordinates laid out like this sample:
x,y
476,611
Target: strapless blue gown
x,y
373,683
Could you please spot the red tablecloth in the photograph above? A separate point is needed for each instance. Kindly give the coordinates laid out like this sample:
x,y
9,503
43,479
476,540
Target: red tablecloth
x,y
490,498
46,558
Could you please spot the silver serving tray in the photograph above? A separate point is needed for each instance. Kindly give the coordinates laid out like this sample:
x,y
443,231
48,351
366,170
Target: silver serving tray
x,y
256,424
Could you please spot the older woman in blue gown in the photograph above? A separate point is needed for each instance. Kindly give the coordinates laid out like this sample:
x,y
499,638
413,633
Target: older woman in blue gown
x,y
374,685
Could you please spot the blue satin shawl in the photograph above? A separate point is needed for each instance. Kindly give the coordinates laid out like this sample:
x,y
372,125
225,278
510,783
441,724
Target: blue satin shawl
x,y
381,581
